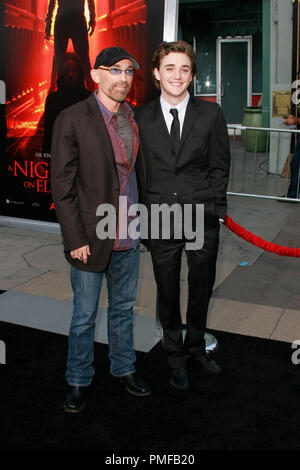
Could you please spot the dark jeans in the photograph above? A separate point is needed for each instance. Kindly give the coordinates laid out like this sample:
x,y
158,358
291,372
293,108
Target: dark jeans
x,y
293,190
122,276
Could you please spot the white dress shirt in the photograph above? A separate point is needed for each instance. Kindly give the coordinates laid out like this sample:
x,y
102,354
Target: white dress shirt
x,y
181,108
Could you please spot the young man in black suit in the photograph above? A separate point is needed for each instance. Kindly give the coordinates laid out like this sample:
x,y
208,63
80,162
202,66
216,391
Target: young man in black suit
x,y
186,145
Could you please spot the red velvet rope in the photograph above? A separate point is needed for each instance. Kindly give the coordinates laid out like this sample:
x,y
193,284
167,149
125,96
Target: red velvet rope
x,y
257,241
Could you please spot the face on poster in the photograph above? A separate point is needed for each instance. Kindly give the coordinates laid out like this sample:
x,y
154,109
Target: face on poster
x,y
49,49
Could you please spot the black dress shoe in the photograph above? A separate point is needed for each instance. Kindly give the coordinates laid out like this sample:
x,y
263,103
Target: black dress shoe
x,y
179,379
136,385
74,402
209,364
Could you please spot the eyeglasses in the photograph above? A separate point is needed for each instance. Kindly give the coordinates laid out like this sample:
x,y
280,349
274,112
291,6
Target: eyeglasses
x,y
118,71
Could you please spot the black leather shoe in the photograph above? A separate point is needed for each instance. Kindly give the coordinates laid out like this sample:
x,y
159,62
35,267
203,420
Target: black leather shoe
x,y
209,364
74,402
179,379
136,385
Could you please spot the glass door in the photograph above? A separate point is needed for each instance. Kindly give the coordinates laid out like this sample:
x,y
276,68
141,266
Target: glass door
x,y
234,77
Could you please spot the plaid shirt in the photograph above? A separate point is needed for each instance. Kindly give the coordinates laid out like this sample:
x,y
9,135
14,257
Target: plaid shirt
x,y
126,173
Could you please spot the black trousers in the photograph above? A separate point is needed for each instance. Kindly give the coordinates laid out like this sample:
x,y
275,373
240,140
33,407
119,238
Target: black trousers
x,y
166,258
72,27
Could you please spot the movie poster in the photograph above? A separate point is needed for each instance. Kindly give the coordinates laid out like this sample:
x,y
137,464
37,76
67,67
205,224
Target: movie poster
x,y
47,49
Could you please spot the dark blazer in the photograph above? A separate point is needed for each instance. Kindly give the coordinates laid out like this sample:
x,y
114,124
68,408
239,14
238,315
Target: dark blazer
x,y
200,170
84,175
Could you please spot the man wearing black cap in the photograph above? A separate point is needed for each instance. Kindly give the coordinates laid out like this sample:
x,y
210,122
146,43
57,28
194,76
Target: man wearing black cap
x,y
94,161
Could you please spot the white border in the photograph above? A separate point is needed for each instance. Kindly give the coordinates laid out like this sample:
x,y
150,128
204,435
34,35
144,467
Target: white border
x,y
29,224
171,20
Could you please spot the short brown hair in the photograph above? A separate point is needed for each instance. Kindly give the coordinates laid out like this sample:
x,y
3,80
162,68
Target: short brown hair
x,y
164,48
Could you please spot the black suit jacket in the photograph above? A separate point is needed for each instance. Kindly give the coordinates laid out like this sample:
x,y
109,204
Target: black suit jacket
x,y
200,170
83,176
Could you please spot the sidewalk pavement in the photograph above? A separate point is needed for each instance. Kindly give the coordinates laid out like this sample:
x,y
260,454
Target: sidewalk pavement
x,y
256,293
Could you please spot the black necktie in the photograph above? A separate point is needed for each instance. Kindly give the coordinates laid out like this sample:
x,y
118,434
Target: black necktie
x,y
175,129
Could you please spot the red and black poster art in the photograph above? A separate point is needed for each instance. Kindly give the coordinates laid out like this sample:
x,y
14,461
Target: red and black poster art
x,y
47,48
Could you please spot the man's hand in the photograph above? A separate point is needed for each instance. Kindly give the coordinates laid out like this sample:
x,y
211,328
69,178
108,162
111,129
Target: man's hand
x,y
81,253
290,120
91,28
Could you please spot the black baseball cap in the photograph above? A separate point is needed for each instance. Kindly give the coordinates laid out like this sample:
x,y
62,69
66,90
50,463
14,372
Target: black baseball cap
x,y
111,55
